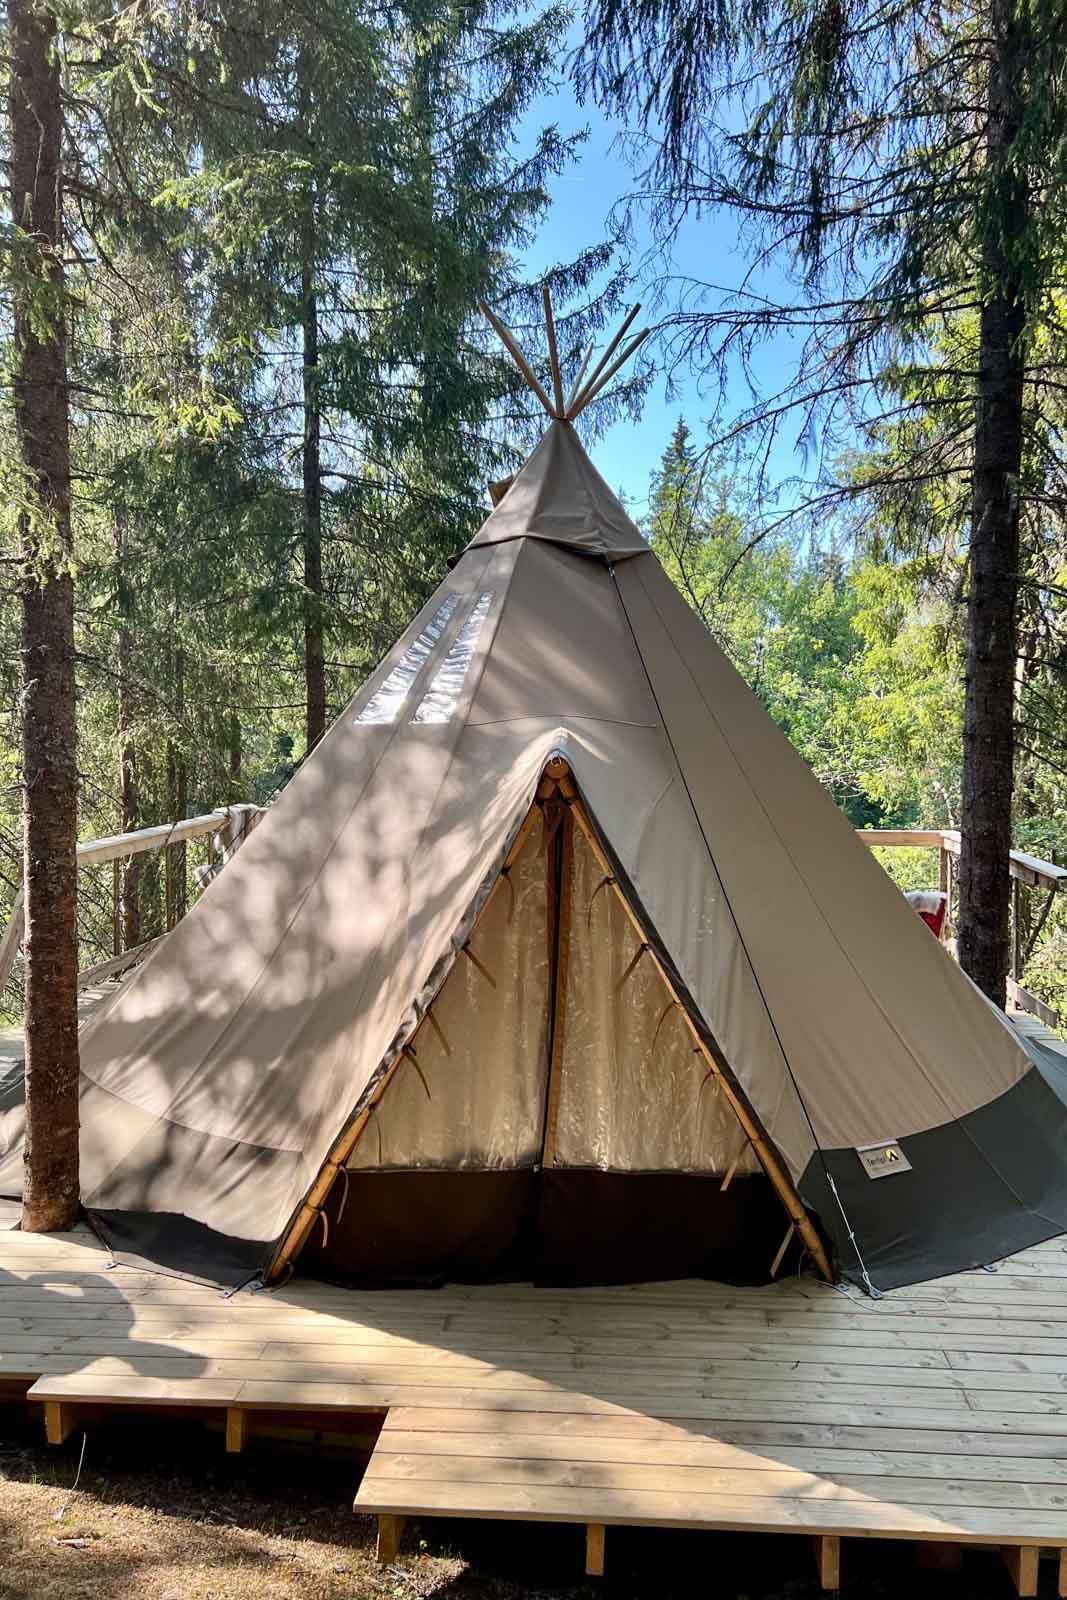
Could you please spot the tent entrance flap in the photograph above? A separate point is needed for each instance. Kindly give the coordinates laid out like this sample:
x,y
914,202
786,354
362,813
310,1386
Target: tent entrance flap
x,y
554,1116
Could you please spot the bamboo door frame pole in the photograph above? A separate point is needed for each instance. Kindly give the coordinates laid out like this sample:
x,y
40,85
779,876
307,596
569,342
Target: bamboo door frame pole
x,y
768,1158
559,1012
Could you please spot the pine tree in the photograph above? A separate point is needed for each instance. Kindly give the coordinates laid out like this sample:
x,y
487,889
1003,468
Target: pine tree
x,y
49,760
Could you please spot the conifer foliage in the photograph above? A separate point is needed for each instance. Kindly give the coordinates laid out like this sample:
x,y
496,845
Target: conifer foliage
x,y
903,167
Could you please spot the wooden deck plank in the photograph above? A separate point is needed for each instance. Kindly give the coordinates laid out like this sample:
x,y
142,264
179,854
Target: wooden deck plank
x,y
765,1483
673,1509
833,1344
938,1413
477,1418
640,1392
1044,1390
639,1447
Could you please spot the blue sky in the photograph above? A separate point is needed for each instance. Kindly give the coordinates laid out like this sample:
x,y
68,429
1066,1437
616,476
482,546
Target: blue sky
x,y
582,200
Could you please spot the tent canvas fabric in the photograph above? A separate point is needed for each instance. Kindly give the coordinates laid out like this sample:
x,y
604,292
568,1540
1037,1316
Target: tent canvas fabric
x,y
218,1081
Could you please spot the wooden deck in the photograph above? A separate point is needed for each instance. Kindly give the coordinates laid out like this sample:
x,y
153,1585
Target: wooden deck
x,y
938,1413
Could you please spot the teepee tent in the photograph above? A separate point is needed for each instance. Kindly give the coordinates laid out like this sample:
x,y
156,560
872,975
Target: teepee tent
x,y
554,960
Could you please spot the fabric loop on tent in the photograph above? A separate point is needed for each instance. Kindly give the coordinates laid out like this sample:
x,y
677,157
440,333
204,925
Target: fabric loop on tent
x,y
607,882
638,953
409,1052
710,1076
440,1032
505,873
482,968
344,1194
672,1005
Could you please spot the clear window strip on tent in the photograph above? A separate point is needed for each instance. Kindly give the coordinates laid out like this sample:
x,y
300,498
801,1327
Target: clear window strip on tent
x,y
384,705
440,700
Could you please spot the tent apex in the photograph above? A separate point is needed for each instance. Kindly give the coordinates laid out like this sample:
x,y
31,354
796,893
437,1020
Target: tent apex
x,y
559,496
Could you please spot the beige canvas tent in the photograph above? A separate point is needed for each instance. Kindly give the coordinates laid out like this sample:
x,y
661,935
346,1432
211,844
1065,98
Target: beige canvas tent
x,y
555,960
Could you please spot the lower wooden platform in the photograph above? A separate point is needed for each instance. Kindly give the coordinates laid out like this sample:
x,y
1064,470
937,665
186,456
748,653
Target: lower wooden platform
x,y
937,1414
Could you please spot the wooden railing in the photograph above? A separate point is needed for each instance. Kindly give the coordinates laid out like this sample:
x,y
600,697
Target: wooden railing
x,y
1026,872
229,825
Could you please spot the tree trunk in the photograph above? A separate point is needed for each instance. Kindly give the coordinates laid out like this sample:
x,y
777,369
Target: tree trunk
x,y
178,800
314,655
49,757
235,757
988,735
130,869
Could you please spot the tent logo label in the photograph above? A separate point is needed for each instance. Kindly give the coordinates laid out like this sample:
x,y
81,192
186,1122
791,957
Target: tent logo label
x,y
881,1160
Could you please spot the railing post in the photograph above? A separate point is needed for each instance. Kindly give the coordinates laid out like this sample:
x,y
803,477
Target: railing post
x,y
11,938
116,908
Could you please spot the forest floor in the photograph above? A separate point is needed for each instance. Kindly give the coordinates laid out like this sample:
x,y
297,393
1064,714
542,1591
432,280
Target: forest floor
x,y
160,1513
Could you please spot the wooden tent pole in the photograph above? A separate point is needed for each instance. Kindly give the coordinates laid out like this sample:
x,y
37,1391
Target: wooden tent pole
x,y
591,390
559,1014
768,1158
577,384
606,357
300,1226
519,359
553,353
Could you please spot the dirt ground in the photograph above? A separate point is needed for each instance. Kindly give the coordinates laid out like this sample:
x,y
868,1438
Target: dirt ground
x,y
161,1513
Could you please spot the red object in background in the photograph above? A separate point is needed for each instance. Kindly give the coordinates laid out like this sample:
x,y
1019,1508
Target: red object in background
x,y
931,904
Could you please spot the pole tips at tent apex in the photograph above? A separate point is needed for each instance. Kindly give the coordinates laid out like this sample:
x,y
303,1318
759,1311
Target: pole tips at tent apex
x,y
581,392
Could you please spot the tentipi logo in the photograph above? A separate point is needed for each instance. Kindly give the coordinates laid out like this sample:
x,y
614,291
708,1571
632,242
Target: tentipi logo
x,y
883,1159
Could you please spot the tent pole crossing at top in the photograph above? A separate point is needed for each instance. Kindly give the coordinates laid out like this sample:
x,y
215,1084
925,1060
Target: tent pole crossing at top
x,y
558,408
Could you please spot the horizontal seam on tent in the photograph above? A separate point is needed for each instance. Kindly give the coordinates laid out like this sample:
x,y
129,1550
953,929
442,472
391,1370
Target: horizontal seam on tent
x,y
829,927
187,1127
558,716
594,552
